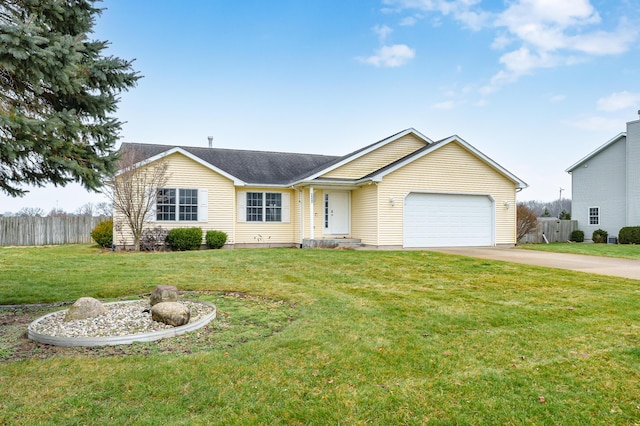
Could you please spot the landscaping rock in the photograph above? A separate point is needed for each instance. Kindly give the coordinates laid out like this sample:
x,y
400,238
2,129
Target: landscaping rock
x,y
164,293
83,308
171,313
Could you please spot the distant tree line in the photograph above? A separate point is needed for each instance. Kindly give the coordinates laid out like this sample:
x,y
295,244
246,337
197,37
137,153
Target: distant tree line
x,y
560,208
528,213
88,209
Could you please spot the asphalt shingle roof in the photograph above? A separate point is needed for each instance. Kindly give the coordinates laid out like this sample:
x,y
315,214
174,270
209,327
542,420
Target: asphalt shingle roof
x,y
259,167
255,167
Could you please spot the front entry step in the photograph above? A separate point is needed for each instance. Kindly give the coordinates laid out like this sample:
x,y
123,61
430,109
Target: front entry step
x,y
344,243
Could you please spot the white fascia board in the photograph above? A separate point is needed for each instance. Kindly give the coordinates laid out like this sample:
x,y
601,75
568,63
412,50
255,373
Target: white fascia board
x,y
368,150
597,151
187,154
455,138
263,185
347,184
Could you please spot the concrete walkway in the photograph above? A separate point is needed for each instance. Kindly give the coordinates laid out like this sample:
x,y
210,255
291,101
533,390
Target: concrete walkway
x,y
625,268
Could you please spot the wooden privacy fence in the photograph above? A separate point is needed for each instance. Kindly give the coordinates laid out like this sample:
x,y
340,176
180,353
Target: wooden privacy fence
x,y
40,231
554,229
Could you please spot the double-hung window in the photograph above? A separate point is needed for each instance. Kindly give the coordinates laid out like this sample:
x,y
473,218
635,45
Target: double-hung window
x,y
166,204
264,207
273,207
255,206
188,204
177,204
594,215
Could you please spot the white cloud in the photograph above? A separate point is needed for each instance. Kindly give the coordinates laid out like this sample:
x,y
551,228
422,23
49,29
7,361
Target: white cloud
x,y
541,33
463,11
500,42
619,100
557,98
409,21
446,105
382,31
516,64
522,14
523,60
548,25
390,56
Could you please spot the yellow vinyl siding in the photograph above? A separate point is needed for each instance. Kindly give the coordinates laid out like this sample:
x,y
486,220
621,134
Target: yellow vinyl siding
x,y
364,214
268,232
318,214
377,159
186,173
439,172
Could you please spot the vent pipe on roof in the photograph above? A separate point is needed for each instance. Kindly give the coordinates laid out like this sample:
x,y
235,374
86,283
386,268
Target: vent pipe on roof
x,y
210,141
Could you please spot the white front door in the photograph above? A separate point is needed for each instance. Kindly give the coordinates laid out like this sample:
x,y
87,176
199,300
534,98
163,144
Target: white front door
x,y
336,213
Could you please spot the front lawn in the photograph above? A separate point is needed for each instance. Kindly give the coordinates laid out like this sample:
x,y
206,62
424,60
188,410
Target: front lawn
x,y
370,337
626,251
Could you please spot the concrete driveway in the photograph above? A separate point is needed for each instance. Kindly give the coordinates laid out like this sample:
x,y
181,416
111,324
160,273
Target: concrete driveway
x,y
624,268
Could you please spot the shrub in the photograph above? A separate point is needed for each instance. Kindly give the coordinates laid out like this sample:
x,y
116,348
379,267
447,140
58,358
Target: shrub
x,y
577,236
153,239
184,239
526,221
215,239
629,235
599,236
102,234
564,215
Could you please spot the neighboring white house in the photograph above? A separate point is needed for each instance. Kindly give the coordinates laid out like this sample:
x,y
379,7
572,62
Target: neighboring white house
x,y
606,185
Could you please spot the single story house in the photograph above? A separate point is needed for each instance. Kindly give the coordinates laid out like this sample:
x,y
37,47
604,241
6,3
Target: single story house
x,y
402,191
605,185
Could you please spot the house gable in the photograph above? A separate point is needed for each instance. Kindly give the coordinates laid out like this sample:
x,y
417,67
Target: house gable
x,y
599,181
434,173
428,150
356,155
378,158
619,137
146,154
188,173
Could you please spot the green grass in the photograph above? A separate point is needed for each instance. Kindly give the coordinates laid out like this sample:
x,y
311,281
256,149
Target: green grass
x,y
626,251
381,337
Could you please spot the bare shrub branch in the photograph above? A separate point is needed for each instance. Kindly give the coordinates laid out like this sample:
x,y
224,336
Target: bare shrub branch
x,y
526,221
133,190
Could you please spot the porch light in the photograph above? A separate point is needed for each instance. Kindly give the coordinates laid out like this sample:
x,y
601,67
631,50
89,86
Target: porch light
x,y
507,204
392,201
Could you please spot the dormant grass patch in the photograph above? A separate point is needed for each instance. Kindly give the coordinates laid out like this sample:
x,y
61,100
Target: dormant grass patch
x,y
348,337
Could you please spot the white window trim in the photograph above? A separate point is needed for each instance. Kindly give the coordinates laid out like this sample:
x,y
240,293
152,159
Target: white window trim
x,y
203,206
598,216
285,209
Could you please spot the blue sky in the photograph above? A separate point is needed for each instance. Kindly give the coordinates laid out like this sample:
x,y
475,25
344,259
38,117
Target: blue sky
x,y
534,84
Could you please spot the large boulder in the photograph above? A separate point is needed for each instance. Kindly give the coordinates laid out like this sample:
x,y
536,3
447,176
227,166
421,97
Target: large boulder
x,y
164,293
171,313
83,308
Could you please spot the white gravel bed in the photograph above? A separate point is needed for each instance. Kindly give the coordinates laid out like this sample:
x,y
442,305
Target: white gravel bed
x,y
120,319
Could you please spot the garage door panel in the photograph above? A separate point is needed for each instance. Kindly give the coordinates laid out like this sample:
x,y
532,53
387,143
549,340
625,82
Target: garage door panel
x,y
448,220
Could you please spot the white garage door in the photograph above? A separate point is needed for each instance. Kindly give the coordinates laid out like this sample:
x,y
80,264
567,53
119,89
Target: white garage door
x,y
448,220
